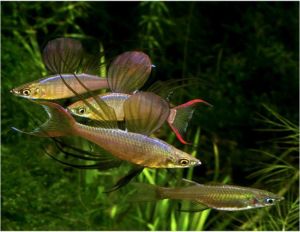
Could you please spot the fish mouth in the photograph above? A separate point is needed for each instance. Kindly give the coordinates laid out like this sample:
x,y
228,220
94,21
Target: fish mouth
x,y
196,163
14,91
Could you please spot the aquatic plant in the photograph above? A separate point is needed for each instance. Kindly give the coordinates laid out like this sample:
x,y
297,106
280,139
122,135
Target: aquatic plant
x,y
246,57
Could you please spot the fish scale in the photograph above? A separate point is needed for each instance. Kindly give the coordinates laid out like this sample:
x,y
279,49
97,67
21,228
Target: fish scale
x,y
220,197
133,147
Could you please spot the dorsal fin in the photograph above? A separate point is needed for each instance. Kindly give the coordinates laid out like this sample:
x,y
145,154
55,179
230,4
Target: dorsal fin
x,y
66,55
129,72
63,55
186,182
145,112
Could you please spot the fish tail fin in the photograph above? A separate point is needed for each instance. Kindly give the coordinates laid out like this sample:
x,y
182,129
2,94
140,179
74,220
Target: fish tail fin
x,y
181,115
60,122
145,192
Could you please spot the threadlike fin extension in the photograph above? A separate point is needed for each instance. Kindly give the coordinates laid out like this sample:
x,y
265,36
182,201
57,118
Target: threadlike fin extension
x,y
180,116
104,110
61,146
99,165
60,122
126,179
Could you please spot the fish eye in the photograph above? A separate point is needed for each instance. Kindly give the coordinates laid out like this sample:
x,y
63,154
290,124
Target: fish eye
x,y
183,162
26,92
269,200
81,110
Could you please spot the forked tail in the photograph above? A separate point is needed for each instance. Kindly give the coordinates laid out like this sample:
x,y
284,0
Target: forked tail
x,y
60,122
181,115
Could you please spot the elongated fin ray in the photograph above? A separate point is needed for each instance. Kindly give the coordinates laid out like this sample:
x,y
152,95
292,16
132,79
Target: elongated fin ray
x,y
145,112
135,171
63,145
104,113
104,165
181,115
129,72
83,155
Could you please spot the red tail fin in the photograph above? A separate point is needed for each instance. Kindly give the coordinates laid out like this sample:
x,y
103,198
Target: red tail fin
x,y
181,115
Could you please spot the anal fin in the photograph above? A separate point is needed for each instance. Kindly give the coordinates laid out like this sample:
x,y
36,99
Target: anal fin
x,y
191,206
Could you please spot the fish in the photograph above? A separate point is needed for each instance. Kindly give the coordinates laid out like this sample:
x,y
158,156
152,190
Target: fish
x,y
144,112
202,197
126,75
66,59
53,87
178,118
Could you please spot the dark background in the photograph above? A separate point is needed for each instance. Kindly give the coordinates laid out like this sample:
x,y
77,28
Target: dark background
x,y
245,56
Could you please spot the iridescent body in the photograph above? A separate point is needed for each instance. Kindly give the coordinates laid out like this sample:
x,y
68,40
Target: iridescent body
x,y
133,147
113,100
53,87
136,148
220,197
116,101
127,73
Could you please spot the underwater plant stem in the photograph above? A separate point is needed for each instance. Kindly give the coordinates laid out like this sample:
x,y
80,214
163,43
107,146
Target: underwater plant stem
x,y
217,160
194,153
33,50
201,222
103,72
288,185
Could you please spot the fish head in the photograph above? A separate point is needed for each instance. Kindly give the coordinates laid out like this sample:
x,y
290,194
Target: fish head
x,y
265,198
80,109
31,90
262,198
180,159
